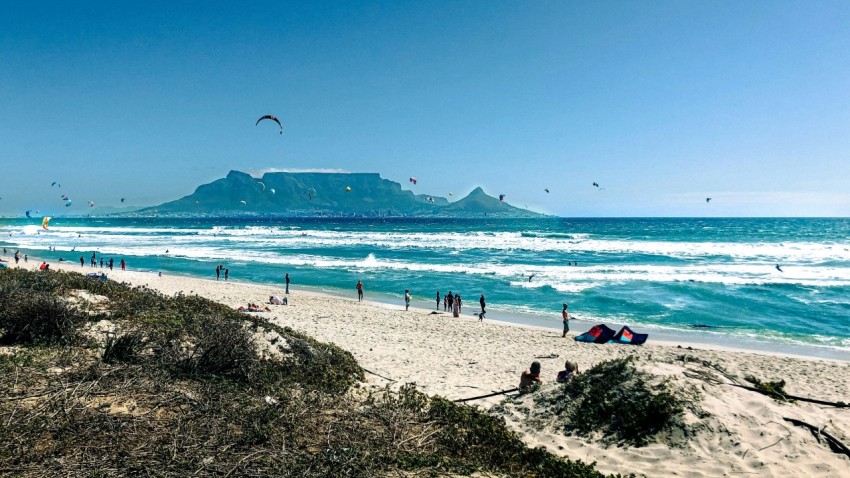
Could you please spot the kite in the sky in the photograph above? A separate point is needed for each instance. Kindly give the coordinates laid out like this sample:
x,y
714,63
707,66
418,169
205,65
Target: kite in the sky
x,y
262,184
707,199
596,184
54,183
270,117
91,203
501,198
348,189
123,199
546,189
451,194
65,197
310,193
271,190
68,204
412,180
243,202
44,222
779,268
28,213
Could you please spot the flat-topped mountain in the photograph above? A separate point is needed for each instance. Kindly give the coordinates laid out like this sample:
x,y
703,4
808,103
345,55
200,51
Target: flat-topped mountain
x,y
325,194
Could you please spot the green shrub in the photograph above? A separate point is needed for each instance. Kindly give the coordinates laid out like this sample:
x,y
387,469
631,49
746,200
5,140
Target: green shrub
x,y
775,390
619,401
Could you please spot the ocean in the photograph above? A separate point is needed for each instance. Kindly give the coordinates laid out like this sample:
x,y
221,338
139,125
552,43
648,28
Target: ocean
x,y
690,280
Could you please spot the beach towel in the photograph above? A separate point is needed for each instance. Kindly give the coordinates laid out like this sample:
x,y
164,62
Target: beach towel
x,y
598,334
627,336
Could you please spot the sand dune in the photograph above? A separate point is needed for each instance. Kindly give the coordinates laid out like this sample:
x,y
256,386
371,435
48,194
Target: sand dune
x,y
744,434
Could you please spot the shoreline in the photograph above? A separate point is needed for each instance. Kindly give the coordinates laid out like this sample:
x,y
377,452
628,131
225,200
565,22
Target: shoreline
x,y
662,337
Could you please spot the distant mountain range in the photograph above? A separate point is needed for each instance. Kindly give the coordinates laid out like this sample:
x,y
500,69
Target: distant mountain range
x,y
325,194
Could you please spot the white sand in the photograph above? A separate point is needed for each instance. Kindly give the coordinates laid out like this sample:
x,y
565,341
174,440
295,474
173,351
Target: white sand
x,y
462,357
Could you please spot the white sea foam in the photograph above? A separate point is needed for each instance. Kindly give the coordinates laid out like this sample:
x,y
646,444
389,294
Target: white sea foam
x,y
712,262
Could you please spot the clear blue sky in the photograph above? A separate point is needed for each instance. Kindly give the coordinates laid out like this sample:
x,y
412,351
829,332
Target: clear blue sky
x,y
661,103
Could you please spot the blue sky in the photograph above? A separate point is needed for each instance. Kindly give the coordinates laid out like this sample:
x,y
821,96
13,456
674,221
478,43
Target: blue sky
x,y
661,103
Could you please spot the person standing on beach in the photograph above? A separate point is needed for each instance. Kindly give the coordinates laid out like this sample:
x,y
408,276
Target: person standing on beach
x,y
123,265
566,316
287,282
101,262
451,300
94,259
445,303
359,291
226,274
407,298
82,261
483,305
17,256
111,263
455,307
459,304
217,272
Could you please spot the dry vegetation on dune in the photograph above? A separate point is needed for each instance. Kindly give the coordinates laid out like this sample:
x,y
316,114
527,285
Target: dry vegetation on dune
x,y
98,379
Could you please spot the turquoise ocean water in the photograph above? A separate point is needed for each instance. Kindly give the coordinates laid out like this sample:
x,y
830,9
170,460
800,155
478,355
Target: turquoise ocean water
x,y
660,276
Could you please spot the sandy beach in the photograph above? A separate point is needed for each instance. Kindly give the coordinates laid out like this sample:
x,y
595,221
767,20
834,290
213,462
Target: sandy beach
x,y
742,434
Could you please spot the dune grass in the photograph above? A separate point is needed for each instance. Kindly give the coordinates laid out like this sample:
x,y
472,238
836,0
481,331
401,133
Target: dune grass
x,y
185,386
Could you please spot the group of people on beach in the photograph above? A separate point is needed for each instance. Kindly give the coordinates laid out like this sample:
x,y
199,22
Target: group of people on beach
x,y
219,270
94,262
454,304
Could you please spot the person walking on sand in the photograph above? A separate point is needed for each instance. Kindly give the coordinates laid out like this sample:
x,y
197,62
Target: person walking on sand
x,y
407,298
438,300
217,272
287,282
566,316
359,291
123,265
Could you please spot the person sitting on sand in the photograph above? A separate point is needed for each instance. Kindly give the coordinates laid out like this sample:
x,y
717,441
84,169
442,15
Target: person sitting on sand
x,y
571,370
252,307
530,377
